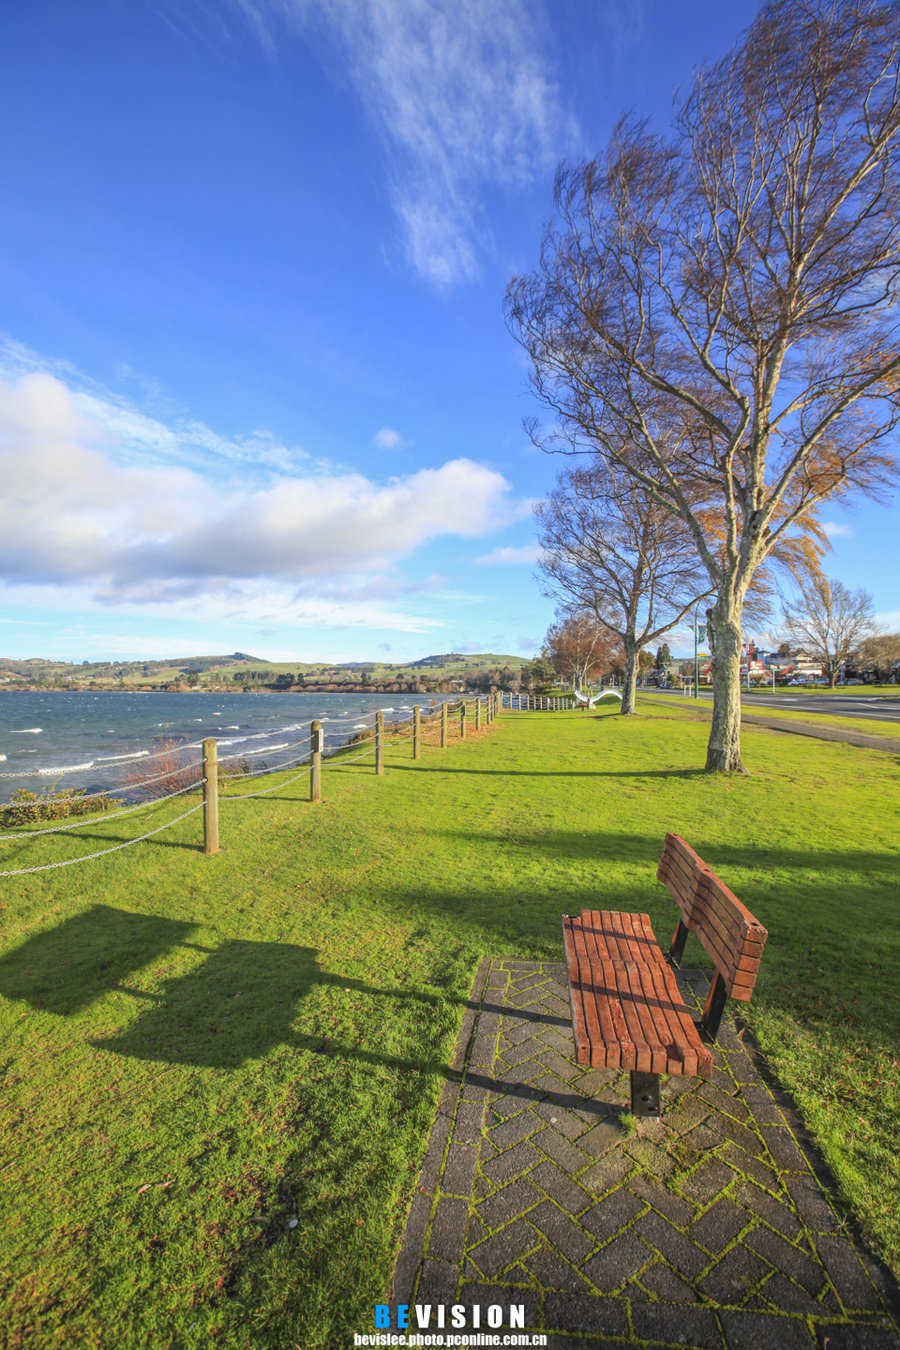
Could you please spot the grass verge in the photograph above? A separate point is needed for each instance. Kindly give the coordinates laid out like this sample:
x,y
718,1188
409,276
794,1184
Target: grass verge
x,y
218,1073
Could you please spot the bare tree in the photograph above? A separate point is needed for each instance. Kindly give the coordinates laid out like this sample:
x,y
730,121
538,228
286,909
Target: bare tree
x,y
580,648
829,621
725,300
610,549
880,654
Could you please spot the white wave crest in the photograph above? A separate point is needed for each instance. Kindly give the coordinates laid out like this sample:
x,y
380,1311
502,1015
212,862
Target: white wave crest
x,y
27,731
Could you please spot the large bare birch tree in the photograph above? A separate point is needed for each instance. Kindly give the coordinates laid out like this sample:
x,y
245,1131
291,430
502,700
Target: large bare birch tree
x,y
725,299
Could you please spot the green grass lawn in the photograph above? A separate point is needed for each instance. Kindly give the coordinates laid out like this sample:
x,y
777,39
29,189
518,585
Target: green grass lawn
x,y
218,1074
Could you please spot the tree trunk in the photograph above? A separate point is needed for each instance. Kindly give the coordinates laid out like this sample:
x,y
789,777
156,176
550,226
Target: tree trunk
x,y
629,685
723,754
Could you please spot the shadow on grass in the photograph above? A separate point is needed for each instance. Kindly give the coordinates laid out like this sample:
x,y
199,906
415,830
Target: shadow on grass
x,y
554,773
68,967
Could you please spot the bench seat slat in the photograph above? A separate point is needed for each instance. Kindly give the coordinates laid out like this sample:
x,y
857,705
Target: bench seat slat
x,y
593,1025
628,1014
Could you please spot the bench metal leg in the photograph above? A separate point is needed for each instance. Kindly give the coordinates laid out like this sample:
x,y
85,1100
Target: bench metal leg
x,y
715,1007
644,1094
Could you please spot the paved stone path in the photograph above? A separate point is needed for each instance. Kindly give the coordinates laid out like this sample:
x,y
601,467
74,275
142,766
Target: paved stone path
x,y
709,1228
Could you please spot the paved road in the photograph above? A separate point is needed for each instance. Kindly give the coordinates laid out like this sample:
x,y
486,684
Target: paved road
x,y
877,707
874,707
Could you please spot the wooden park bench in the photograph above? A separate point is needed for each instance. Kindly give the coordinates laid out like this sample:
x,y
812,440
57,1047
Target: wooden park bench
x,y
627,1010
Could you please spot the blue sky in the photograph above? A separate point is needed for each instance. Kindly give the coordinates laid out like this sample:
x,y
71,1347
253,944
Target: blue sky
x,y
256,391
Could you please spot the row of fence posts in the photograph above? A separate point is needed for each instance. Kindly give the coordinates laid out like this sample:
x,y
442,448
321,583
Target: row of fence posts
x,y
316,750
537,703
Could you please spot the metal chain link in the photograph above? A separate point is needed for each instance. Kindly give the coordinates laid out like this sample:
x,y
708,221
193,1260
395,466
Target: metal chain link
x,y
97,820
89,857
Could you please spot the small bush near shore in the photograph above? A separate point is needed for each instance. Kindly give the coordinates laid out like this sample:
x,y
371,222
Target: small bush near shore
x,y
171,767
25,807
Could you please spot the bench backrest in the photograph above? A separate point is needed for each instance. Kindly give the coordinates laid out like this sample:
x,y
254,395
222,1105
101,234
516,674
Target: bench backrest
x,y
733,938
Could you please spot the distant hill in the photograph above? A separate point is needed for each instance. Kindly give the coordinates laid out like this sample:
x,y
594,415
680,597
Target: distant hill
x,y
239,668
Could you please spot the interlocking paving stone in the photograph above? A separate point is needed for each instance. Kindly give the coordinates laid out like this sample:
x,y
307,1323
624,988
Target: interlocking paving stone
x,y
719,1225
856,1336
523,1072
662,1281
708,1228
558,1040
566,1235
459,1170
724,1101
787,1258
560,1150
782,1294
486,1294
516,1128
734,1277
468,1123
601,1138
448,1230
552,1272
565,1122
482,1051
666,1202
755,1331
612,1214
745,1164
746,1139
438,1282
684,1255
494,1254
559,1187
511,1163
677,1325
527,1048
573,1312
563,1068
621,1258
854,1289
812,1206
508,1203
783,1148
766,1207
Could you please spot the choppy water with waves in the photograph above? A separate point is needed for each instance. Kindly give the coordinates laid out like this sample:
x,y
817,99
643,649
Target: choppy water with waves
x,y
92,740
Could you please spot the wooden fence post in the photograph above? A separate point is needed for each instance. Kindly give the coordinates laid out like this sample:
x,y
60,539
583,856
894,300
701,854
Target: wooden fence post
x,y
478,713
417,732
315,761
462,719
210,796
444,724
379,742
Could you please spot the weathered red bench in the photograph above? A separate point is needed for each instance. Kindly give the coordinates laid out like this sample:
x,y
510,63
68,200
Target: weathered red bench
x,y
627,1011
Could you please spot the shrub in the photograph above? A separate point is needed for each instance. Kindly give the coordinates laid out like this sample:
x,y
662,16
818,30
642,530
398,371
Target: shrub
x,y
170,767
24,807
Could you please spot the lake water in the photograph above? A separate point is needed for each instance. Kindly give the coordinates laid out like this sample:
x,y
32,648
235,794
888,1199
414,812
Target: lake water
x,y
88,739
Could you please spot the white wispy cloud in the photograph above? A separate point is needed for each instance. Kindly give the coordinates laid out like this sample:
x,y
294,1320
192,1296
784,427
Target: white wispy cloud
x,y
507,556
837,531
142,439
462,98
388,439
304,548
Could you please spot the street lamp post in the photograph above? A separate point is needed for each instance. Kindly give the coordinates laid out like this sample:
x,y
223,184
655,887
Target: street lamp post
x,y
701,633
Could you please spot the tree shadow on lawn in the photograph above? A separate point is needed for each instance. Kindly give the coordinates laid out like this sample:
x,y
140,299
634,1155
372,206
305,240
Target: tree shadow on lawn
x,y
643,849
66,968
555,773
